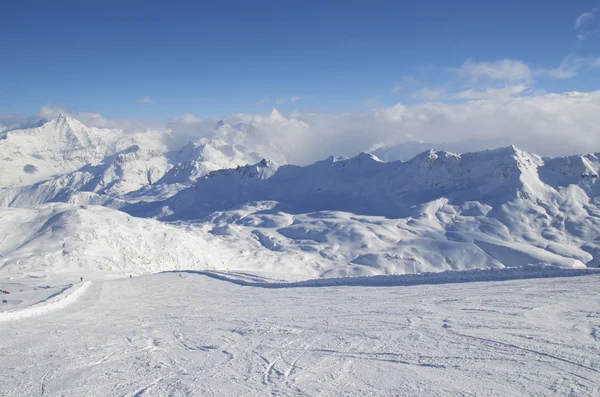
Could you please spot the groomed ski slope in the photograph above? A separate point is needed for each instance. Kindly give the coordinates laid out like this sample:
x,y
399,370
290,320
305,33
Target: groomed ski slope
x,y
183,334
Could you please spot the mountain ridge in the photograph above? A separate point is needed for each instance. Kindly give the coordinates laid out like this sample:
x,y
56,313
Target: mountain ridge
x,y
339,216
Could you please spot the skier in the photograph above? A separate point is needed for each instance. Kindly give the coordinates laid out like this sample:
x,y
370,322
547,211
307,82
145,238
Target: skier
x,y
4,293
81,279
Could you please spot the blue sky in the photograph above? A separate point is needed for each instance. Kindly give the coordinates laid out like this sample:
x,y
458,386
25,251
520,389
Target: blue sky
x,y
159,59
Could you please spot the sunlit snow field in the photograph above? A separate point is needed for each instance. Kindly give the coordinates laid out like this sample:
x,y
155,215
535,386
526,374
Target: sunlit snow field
x,y
189,334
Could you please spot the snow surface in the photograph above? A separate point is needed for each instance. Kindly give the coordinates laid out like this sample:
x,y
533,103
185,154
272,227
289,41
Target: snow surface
x,y
59,238
186,334
243,240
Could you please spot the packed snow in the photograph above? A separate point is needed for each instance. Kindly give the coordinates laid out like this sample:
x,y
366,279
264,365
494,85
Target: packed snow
x,y
183,334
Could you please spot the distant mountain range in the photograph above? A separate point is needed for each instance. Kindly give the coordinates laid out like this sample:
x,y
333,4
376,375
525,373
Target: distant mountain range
x,y
73,196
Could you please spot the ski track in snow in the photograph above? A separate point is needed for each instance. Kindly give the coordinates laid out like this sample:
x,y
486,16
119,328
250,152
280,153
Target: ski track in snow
x,y
169,335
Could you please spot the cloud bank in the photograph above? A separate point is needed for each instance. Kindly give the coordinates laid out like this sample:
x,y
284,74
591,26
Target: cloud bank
x,y
551,125
504,70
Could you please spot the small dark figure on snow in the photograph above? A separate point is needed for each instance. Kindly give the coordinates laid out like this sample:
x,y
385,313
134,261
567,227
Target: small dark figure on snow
x,y
81,279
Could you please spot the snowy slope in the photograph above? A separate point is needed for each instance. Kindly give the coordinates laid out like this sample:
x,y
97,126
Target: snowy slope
x,y
59,238
165,335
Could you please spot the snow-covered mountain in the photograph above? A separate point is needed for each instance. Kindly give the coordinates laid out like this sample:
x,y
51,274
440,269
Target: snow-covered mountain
x,y
407,150
63,158
56,147
226,207
197,159
365,185
438,211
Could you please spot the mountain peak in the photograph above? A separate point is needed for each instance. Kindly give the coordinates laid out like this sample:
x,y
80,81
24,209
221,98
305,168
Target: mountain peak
x,y
364,156
60,119
63,120
510,150
276,115
434,156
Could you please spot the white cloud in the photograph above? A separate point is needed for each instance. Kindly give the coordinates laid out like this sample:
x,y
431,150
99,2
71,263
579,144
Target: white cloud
x,y
429,94
280,100
585,18
499,80
507,70
146,99
553,124
502,79
471,93
570,66
394,113
93,119
370,101
263,101
564,71
407,83
491,93
583,21
187,118
585,33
